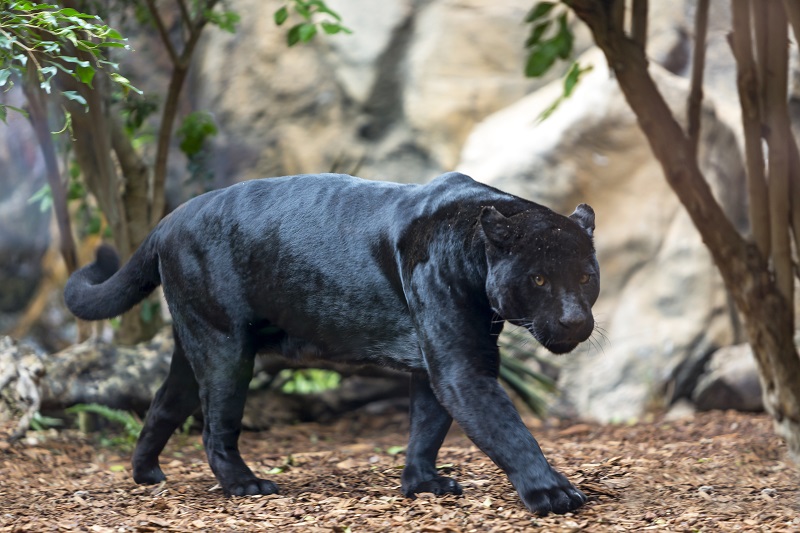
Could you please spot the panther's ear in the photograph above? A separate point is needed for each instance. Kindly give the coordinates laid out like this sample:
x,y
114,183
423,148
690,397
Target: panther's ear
x,y
584,216
496,226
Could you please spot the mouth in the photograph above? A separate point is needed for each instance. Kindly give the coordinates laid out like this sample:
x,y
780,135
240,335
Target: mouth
x,y
560,347
555,345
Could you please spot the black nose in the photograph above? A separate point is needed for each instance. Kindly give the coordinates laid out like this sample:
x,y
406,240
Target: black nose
x,y
571,322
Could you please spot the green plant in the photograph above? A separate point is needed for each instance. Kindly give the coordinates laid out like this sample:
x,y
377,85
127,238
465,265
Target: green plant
x,y
40,422
531,386
308,381
194,130
551,39
316,15
129,422
39,40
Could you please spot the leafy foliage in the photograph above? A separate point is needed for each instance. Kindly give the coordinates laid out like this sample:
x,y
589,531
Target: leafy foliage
x,y
308,381
224,20
316,16
570,82
546,46
551,39
531,386
131,425
44,39
195,129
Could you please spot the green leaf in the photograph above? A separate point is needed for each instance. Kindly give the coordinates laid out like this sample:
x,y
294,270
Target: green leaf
x,y
302,10
4,75
124,82
330,28
194,130
293,37
85,74
573,76
541,59
539,10
225,20
281,15
4,107
46,74
75,60
307,32
44,197
537,32
323,8
73,95
564,38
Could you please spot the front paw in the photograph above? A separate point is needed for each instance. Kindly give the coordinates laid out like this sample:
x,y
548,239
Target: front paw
x,y
552,494
250,487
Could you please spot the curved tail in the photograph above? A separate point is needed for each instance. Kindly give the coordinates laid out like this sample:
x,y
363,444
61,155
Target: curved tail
x,y
101,290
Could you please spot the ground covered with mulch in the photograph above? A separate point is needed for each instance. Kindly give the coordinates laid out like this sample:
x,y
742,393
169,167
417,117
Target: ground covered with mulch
x,y
718,471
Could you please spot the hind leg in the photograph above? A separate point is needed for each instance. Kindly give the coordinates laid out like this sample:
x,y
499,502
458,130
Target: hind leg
x,y
176,399
224,366
429,424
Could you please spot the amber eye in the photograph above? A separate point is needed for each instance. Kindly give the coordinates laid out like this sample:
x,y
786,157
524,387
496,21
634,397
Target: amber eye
x,y
538,280
584,279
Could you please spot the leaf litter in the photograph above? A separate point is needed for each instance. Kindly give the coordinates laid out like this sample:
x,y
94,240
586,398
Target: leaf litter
x,y
716,471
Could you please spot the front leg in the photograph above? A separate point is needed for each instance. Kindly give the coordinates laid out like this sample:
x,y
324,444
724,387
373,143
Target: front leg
x,y
485,412
458,333
429,424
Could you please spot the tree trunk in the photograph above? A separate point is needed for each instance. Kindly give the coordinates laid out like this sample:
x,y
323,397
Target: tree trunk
x,y
767,313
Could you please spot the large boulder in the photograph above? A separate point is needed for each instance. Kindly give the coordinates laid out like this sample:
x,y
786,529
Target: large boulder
x,y
663,308
730,381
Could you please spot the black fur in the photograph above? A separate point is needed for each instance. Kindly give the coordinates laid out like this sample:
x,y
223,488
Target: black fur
x,y
416,277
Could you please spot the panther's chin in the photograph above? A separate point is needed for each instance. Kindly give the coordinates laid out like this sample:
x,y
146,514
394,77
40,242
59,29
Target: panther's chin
x,y
559,348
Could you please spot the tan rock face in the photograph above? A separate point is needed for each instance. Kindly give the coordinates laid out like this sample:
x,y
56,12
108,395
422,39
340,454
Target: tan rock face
x,y
465,62
395,99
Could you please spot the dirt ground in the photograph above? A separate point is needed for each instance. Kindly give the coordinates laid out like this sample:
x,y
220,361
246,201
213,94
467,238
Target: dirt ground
x,y
718,471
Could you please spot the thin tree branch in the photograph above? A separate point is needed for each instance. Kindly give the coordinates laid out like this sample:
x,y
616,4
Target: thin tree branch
x,y
639,22
187,19
760,33
695,103
162,31
179,74
748,84
794,194
779,134
793,10
39,120
618,14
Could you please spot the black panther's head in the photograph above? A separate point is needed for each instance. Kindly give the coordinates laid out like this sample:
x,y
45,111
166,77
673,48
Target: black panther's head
x,y
542,273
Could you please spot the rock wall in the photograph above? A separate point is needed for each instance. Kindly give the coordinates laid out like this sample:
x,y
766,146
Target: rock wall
x,y
394,100
426,86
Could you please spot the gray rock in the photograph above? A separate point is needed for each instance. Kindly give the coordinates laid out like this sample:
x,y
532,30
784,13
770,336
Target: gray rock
x,y
730,382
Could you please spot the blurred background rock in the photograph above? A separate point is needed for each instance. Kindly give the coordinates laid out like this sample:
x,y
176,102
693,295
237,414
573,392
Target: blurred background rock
x,y
426,86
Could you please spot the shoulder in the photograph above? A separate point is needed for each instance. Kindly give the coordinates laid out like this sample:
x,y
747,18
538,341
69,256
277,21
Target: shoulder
x,y
453,179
